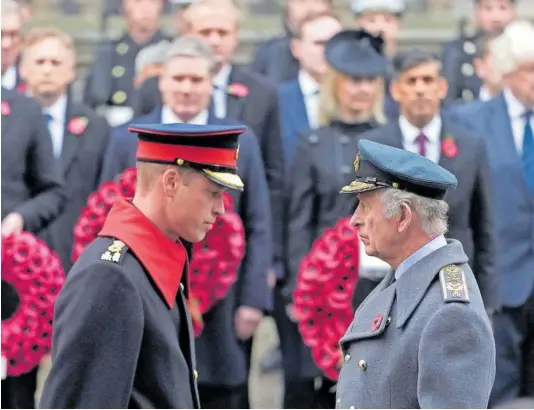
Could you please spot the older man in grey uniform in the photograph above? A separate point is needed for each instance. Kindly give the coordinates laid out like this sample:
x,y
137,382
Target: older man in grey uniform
x,y
422,338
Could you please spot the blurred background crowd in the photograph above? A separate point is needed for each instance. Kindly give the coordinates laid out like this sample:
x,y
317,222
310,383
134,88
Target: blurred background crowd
x,y
452,80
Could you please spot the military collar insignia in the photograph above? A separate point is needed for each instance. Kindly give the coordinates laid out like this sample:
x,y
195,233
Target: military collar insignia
x,y
115,252
453,284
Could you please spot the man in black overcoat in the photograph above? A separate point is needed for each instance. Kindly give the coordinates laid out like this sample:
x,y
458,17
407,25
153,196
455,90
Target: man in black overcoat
x,y
123,335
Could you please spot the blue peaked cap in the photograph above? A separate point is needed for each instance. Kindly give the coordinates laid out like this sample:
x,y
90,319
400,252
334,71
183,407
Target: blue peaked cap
x,y
381,166
356,53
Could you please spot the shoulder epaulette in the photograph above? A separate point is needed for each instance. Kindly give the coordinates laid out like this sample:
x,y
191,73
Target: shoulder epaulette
x,y
115,252
453,284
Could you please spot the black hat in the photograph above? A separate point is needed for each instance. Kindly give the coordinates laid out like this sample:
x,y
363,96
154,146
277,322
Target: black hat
x,y
211,149
381,166
356,53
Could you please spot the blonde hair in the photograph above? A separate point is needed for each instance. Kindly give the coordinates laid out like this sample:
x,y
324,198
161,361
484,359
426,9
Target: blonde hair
x,y
328,105
39,34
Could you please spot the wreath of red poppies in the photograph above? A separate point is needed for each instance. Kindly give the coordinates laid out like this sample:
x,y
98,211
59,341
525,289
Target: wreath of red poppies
x,y
35,274
216,259
325,283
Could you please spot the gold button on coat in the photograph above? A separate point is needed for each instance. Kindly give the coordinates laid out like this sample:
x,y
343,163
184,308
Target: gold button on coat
x,y
195,374
362,364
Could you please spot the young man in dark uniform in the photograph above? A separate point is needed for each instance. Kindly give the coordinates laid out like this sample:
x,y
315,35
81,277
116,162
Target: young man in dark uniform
x,y
123,335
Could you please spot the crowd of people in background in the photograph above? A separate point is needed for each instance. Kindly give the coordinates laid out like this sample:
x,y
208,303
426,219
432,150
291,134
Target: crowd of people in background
x,y
307,98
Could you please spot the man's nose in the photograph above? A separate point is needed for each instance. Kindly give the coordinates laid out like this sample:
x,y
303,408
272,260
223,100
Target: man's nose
x,y
355,219
219,208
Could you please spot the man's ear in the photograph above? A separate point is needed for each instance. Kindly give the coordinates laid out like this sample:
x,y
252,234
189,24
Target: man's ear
x,y
171,181
295,47
394,90
443,87
405,218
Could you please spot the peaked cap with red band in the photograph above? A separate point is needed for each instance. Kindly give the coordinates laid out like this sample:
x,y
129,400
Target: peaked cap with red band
x,y
211,149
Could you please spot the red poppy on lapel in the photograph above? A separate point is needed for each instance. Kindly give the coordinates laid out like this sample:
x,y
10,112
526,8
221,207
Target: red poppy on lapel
x,y
238,89
77,125
376,322
6,109
449,147
21,88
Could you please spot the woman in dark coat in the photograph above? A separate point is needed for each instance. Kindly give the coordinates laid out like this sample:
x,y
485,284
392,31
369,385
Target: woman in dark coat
x,y
352,101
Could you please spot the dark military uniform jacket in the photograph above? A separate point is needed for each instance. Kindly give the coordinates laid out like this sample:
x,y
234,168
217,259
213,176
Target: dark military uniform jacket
x,y
457,67
111,78
122,334
422,341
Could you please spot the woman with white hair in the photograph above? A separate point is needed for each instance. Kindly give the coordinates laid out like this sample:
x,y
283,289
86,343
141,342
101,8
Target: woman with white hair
x,y
351,102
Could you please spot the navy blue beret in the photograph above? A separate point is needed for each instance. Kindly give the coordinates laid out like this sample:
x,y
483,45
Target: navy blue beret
x,y
381,166
356,53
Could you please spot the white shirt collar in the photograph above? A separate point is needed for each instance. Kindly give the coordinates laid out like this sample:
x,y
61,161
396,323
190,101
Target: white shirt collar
x,y
307,84
432,130
223,76
515,108
58,110
9,79
169,117
419,254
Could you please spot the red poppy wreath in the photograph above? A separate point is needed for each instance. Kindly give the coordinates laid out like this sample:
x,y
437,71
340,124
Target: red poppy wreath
x,y
216,259
32,277
325,283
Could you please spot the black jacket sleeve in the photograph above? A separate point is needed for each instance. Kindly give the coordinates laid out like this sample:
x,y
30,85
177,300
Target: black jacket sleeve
x,y
98,330
302,223
42,176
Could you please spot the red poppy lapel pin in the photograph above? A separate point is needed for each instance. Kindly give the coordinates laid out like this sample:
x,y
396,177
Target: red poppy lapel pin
x,y
77,125
21,88
238,89
449,147
376,322
6,109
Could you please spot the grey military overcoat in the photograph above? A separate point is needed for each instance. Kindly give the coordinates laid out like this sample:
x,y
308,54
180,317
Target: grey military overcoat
x,y
423,341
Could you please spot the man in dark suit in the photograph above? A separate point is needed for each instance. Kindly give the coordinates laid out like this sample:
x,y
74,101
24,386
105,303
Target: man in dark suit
x,y
418,87
110,84
274,58
79,137
32,196
186,86
238,93
12,24
507,124
491,17
299,113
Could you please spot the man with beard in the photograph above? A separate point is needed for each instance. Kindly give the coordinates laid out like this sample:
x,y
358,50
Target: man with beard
x,y
418,87
490,18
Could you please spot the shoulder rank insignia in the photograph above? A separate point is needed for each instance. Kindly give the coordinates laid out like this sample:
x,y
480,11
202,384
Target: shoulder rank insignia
x,y
453,284
115,252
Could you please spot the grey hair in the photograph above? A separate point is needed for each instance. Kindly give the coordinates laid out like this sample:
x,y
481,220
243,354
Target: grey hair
x,y
194,47
432,212
512,47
